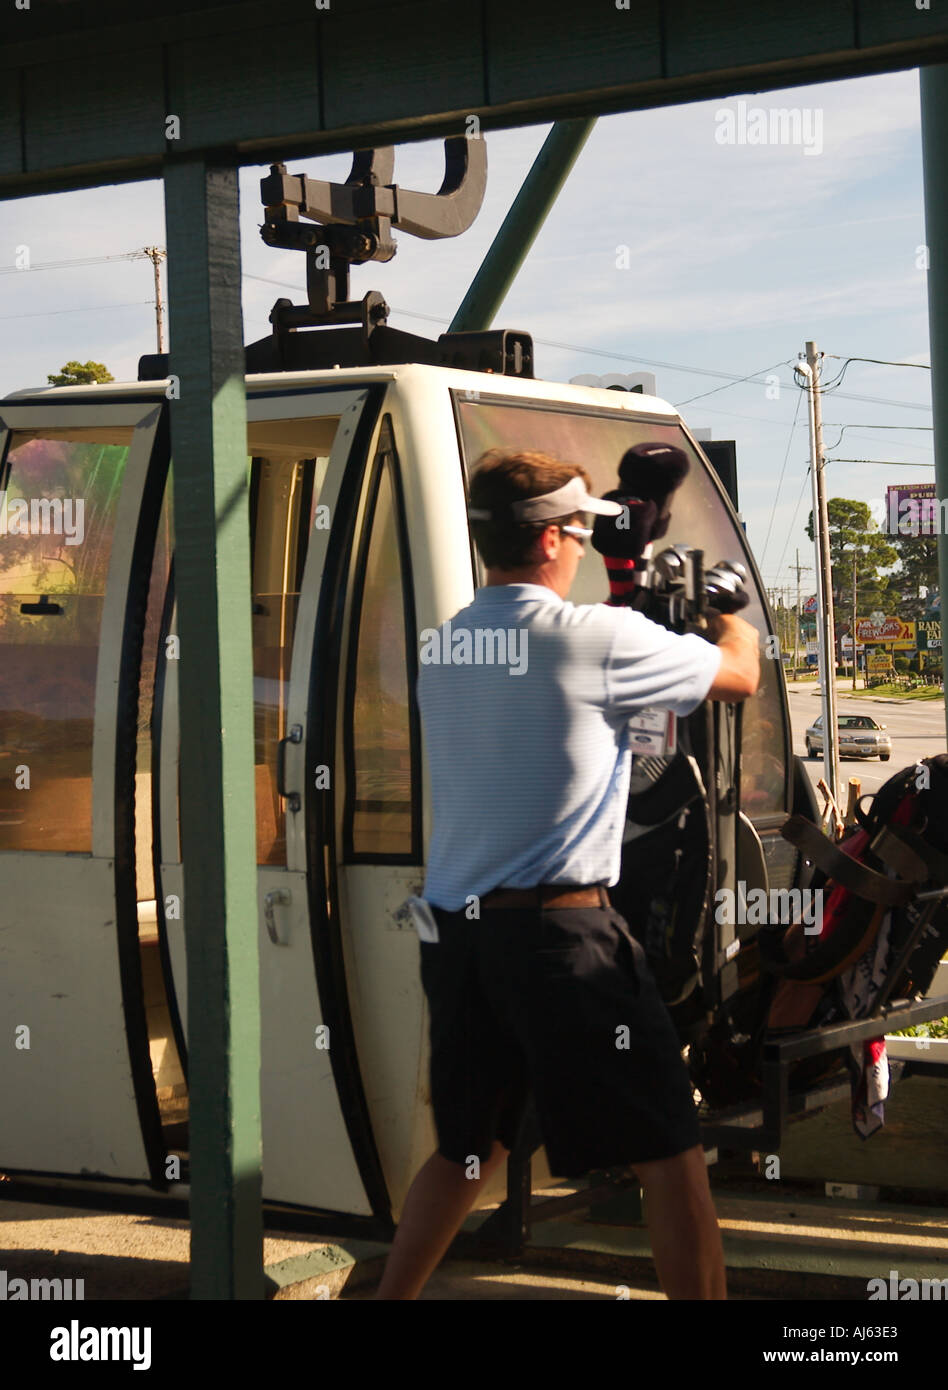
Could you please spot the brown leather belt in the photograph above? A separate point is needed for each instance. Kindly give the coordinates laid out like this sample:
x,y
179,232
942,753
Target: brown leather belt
x,y
547,895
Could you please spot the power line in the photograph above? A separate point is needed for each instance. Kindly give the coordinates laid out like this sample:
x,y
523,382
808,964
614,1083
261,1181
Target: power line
x,y
915,448
887,463
753,375
793,523
880,400
707,371
728,377
614,356
879,361
832,387
546,342
843,428
773,510
63,265
84,309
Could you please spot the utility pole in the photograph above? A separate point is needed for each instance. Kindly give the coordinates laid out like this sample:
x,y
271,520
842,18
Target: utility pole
x,y
934,100
156,255
796,627
773,598
809,368
852,630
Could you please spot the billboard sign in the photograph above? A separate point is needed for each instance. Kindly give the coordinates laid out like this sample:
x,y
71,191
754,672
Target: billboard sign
x,y
884,630
913,510
932,631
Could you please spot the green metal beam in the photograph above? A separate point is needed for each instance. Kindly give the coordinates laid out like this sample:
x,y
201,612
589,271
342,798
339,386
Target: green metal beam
x,y
520,227
934,98
212,573
178,78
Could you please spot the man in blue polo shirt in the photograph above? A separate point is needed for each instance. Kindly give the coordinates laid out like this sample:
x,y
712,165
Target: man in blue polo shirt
x,y
532,979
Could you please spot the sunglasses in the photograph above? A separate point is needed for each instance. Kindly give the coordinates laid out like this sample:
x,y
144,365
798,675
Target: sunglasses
x,y
579,533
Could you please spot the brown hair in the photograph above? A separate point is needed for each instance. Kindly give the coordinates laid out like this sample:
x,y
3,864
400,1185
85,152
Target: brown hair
x,y
501,478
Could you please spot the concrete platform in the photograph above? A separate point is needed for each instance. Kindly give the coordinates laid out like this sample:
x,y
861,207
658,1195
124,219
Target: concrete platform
x,y
132,1256
780,1246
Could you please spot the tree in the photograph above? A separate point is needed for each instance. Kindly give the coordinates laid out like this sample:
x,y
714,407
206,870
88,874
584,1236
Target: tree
x,y
851,524
918,556
80,374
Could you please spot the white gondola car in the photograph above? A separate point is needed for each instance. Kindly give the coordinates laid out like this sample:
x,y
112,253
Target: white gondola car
x,y
360,541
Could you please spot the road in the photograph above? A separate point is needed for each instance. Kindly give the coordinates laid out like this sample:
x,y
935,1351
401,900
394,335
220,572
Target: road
x,y
917,729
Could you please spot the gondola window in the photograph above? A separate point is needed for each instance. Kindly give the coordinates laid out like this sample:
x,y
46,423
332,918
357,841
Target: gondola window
x,y
381,820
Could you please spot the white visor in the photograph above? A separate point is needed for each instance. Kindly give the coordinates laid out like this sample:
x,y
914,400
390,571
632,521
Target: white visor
x,y
571,497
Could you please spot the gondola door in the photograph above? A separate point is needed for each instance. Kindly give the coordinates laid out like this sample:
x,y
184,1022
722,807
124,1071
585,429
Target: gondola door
x,y
80,487
300,446
377,820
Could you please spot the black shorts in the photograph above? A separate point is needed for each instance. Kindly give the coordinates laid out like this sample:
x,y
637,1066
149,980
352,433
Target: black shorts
x,y
559,1002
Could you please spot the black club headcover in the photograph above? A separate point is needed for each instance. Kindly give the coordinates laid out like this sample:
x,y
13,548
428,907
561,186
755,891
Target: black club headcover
x,y
648,475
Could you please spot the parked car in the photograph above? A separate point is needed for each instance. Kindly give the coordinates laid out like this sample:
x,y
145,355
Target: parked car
x,y
858,737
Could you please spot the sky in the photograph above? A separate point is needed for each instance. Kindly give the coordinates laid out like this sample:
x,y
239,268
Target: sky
x,y
668,250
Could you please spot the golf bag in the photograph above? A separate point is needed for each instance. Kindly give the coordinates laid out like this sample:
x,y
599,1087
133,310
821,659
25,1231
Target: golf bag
x,y
876,941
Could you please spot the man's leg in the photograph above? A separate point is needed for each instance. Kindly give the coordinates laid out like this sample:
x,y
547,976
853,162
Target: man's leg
x,y
683,1225
438,1201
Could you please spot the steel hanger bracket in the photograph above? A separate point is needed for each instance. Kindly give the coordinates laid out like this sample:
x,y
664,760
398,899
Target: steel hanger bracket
x,y
339,225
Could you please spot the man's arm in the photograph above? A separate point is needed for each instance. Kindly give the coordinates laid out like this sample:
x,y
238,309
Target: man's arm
x,y
739,673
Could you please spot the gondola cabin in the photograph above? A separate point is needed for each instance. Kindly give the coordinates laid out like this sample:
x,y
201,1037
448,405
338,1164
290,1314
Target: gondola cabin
x,y
360,542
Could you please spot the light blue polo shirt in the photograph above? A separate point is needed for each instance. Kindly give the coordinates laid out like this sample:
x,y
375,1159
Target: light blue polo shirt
x,y
525,701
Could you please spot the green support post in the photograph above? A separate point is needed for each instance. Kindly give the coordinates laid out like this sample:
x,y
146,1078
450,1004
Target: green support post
x,y
934,98
212,575
520,227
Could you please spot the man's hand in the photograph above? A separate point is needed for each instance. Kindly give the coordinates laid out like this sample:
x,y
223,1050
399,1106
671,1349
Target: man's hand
x,y
739,674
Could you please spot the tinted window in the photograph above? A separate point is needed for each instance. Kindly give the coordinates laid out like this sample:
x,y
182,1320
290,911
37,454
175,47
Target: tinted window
x,y
60,494
287,470
699,518
381,718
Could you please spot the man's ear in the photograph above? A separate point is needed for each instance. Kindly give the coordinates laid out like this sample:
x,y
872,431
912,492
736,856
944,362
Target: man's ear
x,y
548,540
